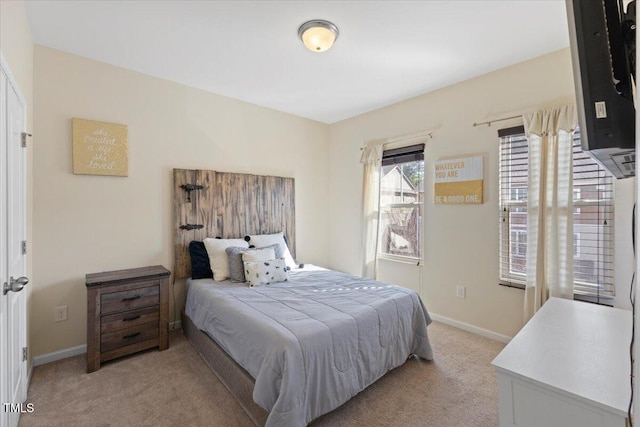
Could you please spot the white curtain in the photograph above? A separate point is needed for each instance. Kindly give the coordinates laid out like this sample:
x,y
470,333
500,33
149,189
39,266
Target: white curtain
x,y
372,160
549,206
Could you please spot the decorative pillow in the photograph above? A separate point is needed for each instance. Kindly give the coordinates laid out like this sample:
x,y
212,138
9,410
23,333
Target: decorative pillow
x,y
262,240
265,272
236,267
218,256
258,254
200,267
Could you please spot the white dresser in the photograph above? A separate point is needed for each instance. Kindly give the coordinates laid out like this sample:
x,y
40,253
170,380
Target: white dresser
x,y
569,366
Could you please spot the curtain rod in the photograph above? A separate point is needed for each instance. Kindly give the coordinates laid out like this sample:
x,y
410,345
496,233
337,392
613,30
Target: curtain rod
x,y
488,123
405,138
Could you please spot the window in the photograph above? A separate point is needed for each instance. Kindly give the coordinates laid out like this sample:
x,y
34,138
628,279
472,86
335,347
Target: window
x,y
592,219
401,200
519,193
519,242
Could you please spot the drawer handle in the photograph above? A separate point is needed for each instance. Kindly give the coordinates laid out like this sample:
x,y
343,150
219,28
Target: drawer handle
x,y
131,335
129,319
131,298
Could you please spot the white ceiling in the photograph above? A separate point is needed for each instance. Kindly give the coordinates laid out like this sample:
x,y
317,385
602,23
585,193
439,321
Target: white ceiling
x,y
387,51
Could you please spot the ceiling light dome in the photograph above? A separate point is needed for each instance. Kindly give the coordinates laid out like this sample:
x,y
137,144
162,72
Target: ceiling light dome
x,y
318,35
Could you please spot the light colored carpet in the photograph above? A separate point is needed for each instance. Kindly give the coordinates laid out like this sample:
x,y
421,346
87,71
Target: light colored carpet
x,y
175,388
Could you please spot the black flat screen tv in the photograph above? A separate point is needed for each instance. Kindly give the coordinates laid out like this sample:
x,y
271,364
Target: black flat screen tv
x,y
602,39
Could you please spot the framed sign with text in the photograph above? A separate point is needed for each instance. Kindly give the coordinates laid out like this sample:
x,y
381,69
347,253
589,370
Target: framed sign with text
x,y
100,148
458,181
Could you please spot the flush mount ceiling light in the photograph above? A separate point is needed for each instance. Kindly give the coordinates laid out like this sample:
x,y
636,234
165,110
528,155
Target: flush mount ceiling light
x,y
318,35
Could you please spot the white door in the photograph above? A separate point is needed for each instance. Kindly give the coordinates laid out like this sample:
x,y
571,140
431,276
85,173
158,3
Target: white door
x,y
12,259
4,383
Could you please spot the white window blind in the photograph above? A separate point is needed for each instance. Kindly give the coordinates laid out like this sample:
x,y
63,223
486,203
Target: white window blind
x,y
592,219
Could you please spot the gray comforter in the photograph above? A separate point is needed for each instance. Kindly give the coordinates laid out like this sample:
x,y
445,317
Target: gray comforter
x,y
313,342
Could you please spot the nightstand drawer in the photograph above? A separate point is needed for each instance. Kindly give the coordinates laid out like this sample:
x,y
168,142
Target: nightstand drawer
x,y
129,319
124,337
130,299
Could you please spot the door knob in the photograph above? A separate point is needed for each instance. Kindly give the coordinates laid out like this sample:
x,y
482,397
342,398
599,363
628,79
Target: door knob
x,y
15,285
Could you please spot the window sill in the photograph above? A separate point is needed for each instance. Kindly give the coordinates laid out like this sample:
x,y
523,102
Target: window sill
x,y
594,300
400,259
577,297
512,285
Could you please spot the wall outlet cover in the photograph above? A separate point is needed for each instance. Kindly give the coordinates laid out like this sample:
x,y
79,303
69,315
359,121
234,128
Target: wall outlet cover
x,y
60,313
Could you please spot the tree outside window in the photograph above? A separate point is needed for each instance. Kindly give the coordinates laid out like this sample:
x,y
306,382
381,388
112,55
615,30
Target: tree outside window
x,y
401,201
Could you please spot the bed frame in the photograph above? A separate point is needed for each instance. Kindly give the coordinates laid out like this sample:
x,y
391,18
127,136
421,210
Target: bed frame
x,y
228,205
238,381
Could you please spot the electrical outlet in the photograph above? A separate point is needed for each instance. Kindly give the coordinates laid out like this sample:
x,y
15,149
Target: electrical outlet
x,y
461,292
60,313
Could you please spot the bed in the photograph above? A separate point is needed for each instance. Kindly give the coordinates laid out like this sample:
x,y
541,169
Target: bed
x,y
292,351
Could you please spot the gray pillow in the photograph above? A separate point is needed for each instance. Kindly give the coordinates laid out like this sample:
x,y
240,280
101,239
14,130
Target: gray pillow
x,y
236,265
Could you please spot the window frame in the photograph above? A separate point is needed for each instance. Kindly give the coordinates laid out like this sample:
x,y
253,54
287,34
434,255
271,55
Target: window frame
x,y
403,154
507,207
513,279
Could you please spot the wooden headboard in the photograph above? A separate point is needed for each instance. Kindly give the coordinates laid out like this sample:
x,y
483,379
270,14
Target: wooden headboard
x,y
229,205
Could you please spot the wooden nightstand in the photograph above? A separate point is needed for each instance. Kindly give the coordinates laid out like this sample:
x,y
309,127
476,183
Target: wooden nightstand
x,y
127,311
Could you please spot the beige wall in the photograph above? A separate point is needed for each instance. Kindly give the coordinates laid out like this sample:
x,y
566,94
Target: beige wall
x,y
17,48
85,224
16,45
461,242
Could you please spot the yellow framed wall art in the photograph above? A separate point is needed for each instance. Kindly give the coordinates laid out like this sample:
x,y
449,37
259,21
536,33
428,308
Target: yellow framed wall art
x,y
459,181
100,148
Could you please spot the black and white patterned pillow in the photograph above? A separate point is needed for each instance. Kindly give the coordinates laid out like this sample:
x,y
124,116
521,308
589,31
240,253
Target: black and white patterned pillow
x,y
265,272
236,259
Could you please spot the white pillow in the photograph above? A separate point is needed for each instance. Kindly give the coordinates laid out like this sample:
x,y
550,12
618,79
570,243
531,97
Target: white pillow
x,y
218,257
265,272
262,240
264,254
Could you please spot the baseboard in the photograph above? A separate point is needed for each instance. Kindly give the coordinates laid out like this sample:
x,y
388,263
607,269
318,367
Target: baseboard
x,y
59,355
73,351
175,325
30,375
470,328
